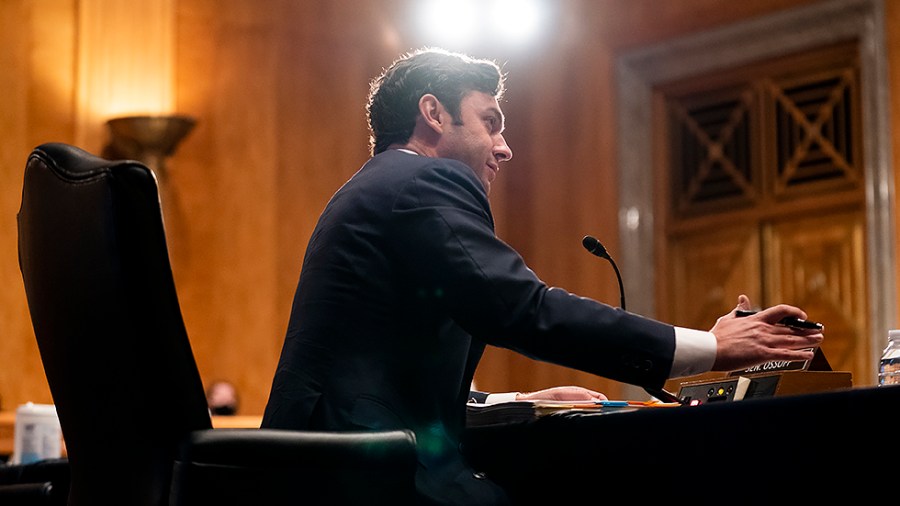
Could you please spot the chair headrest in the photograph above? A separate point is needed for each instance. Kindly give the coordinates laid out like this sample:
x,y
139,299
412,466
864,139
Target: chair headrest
x,y
76,164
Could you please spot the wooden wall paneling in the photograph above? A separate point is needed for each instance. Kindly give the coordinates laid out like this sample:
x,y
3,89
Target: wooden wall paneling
x,y
547,173
328,57
593,184
817,262
124,64
512,192
195,172
52,72
559,186
36,106
226,228
323,137
714,267
629,23
280,95
892,38
17,345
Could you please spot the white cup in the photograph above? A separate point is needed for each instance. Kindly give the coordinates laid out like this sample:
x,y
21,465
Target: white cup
x,y
37,435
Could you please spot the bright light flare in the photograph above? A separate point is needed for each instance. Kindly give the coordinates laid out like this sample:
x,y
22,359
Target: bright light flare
x,y
516,20
449,22
458,23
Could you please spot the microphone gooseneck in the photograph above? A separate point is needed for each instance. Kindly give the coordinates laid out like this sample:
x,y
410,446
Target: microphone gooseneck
x,y
594,247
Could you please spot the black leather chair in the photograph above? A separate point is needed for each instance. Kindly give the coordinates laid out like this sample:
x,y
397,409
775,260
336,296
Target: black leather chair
x,y
44,483
94,260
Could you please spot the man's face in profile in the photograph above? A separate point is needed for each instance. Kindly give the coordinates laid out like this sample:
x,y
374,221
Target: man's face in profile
x,y
476,138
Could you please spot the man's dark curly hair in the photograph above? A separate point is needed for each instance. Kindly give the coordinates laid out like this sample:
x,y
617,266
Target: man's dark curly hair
x,y
393,102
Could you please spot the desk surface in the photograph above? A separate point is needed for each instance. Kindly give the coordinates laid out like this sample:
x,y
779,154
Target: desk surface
x,y
236,422
801,447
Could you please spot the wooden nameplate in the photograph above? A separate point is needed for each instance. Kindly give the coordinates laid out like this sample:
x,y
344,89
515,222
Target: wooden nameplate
x,y
768,380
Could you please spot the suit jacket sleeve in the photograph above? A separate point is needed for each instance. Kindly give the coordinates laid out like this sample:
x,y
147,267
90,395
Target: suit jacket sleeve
x,y
444,233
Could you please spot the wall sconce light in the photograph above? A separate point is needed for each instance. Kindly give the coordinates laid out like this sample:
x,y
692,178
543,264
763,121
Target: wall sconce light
x,y
147,139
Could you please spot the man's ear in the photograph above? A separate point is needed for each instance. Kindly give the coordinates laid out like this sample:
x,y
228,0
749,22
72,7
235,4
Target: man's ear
x,y
433,112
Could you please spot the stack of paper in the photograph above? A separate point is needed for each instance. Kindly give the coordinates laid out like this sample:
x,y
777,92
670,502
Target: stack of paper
x,y
481,415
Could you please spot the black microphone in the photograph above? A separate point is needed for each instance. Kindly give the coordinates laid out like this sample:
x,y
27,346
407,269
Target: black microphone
x,y
592,244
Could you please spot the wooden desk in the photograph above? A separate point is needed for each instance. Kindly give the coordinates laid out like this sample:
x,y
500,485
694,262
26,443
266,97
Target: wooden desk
x,y
803,449
8,426
237,422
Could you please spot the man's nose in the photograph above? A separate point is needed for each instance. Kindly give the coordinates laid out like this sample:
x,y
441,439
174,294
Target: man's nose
x,y
502,151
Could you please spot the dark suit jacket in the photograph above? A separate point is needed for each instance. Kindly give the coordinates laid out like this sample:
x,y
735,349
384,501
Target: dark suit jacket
x,y
403,284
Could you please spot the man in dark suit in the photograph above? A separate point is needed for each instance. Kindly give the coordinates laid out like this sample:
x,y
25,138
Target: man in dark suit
x,y
404,283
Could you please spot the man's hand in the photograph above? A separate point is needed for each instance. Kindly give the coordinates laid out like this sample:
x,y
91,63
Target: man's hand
x,y
567,393
750,340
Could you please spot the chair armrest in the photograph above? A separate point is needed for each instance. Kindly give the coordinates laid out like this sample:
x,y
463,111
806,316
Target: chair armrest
x,y
271,466
41,482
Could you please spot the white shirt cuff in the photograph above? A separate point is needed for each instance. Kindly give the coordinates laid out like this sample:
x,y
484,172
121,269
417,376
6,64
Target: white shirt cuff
x,y
502,397
695,352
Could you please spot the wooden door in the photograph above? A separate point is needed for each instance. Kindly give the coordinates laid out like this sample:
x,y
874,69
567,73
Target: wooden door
x,y
761,177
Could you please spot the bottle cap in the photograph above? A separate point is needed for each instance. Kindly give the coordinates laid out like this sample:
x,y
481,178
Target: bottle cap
x,y
893,334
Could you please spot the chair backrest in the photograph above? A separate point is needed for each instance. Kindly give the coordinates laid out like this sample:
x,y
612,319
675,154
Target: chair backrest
x,y
94,261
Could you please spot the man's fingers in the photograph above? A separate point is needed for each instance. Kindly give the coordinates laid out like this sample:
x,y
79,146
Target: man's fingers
x,y
743,302
784,337
774,314
796,355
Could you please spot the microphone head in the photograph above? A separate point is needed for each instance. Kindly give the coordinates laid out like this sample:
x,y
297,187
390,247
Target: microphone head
x,y
592,244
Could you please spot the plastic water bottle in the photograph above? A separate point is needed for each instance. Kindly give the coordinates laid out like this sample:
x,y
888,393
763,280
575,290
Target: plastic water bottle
x,y
37,434
889,370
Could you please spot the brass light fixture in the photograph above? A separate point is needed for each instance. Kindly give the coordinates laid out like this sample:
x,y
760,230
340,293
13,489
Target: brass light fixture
x,y
147,139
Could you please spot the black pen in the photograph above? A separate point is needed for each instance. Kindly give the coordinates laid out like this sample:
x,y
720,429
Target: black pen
x,y
788,321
